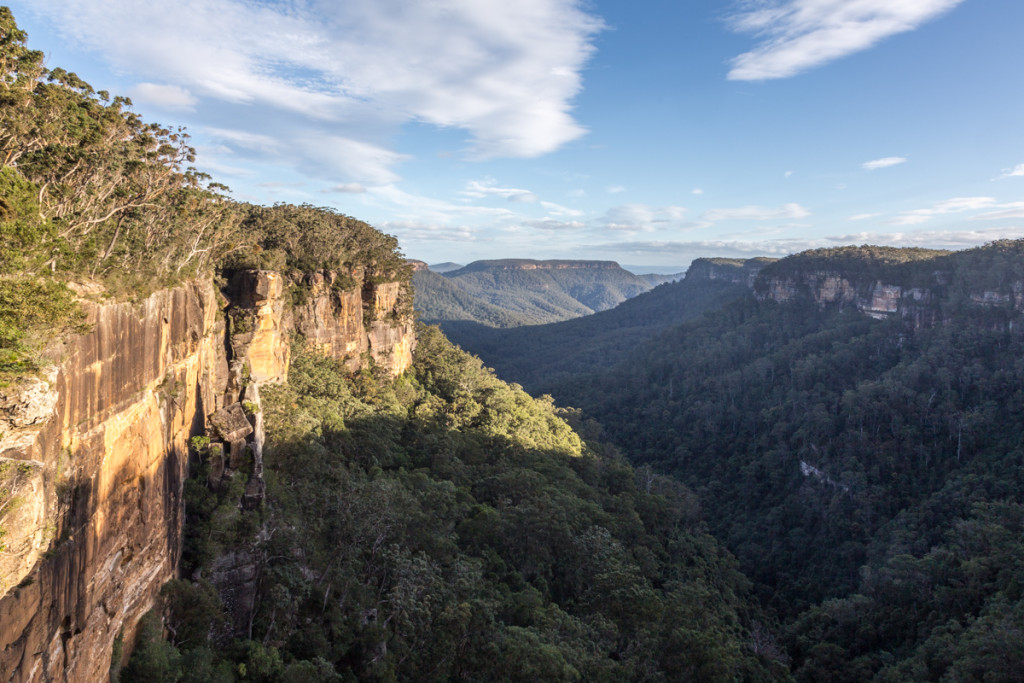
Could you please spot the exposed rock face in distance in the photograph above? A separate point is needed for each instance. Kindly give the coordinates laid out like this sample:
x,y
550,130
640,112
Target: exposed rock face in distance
x,y
920,286
736,271
101,448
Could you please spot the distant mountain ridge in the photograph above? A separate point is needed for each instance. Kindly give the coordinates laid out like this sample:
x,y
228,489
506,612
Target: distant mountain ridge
x,y
854,432
540,357
514,292
531,264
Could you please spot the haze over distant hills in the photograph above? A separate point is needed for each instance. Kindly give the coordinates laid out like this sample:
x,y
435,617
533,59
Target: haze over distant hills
x,y
851,422
540,357
515,292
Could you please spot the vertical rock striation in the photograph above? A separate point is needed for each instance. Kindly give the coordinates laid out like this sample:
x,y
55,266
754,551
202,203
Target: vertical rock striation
x,y
93,457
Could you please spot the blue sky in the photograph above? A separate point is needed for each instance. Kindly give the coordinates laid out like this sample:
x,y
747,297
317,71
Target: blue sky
x,y
647,133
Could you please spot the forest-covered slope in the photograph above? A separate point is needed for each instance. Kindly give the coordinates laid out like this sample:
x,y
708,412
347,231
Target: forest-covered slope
x,y
859,452
362,521
447,526
542,357
514,292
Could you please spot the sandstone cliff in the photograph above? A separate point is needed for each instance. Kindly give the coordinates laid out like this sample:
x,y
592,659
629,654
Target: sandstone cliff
x,y
736,271
93,455
922,287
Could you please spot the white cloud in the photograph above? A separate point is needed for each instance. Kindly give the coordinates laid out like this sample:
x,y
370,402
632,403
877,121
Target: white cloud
x,y
787,174
1011,210
477,189
696,190
505,73
241,139
615,189
552,224
796,35
423,210
347,188
641,217
1015,172
417,231
863,216
688,250
756,213
559,210
933,239
884,162
955,205
170,97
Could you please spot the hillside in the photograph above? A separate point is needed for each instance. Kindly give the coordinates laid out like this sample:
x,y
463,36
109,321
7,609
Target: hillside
x,y
439,299
543,357
527,292
228,455
854,434
447,526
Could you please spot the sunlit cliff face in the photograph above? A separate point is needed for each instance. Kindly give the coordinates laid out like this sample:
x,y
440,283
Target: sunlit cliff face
x,y
100,447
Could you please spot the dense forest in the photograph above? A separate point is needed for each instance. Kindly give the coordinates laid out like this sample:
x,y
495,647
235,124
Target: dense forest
x,y
543,357
866,473
448,526
759,482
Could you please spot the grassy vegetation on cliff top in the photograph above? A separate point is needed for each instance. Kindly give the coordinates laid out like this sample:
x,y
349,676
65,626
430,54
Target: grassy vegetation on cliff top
x,y
90,191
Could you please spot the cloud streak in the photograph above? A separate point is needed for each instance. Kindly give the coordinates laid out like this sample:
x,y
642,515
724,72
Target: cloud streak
x,y
884,162
756,213
955,205
505,73
797,35
1015,172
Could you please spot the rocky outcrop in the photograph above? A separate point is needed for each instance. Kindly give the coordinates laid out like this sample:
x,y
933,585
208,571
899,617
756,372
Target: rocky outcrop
x,y
921,306
735,271
93,456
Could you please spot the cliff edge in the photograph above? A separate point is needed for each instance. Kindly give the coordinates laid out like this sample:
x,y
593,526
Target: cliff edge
x,y
93,454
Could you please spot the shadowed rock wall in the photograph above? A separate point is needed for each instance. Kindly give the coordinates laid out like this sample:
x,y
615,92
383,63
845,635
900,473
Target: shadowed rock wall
x,y
94,455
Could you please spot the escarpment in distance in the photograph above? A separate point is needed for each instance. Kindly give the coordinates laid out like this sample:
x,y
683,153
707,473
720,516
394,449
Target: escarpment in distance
x,y
93,457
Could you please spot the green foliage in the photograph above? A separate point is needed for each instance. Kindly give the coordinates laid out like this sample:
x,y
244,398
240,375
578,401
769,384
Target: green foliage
x,y
153,658
512,293
543,357
91,192
33,311
444,525
842,459
307,238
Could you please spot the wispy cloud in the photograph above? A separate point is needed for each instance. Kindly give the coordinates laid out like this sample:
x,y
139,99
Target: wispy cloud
x,y
552,224
884,162
1011,210
168,97
864,216
615,189
480,189
347,188
696,190
955,205
934,239
559,210
796,35
757,213
1015,172
416,231
505,73
641,217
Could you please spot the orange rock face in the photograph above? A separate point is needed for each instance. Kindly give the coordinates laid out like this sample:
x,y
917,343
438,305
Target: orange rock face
x,y
101,449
